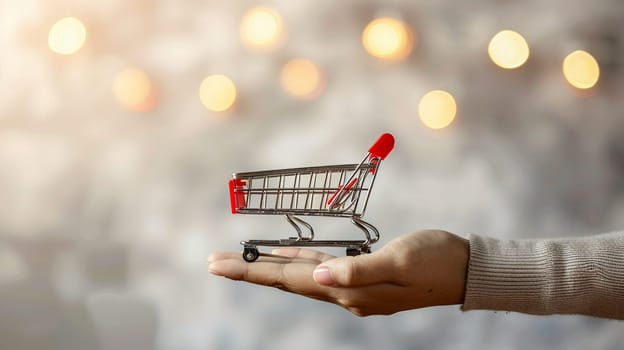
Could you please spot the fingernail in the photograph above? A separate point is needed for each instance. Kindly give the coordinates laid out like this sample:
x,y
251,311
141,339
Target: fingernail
x,y
323,276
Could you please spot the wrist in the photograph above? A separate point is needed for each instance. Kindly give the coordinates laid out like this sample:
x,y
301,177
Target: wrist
x,y
458,255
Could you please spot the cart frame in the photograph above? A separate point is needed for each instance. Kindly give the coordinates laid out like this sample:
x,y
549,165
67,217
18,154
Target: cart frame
x,y
332,190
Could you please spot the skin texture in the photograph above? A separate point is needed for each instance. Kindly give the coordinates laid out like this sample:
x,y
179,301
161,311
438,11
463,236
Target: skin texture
x,y
416,270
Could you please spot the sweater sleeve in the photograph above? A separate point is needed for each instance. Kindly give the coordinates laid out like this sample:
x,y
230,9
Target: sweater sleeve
x,y
559,276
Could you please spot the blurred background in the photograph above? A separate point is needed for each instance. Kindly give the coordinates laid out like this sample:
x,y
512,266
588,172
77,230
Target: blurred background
x,y
122,121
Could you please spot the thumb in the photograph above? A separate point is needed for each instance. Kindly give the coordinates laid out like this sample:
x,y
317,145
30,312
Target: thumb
x,y
351,271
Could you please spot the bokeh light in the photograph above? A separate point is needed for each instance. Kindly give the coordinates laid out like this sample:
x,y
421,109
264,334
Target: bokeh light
x,y
581,69
388,39
67,36
437,109
508,49
302,79
262,28
134,90
217,93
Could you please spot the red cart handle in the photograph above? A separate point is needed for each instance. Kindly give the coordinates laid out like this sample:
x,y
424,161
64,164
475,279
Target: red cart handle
x,y
382,147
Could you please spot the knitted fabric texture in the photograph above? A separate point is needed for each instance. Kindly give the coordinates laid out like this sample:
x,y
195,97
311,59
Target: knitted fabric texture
x,y
557,276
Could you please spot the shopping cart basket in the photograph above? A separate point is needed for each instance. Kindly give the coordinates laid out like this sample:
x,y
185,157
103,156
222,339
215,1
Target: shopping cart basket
x,y
334,190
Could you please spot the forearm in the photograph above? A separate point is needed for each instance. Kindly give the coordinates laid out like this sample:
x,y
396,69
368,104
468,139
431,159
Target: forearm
x,y
561,276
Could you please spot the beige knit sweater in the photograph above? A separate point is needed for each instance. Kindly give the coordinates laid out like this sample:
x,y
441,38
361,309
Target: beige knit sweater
x,y
557,276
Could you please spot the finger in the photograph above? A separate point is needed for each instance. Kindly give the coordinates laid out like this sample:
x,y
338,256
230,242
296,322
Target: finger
x,y
294,277
237,269
289,256
350,271
303,254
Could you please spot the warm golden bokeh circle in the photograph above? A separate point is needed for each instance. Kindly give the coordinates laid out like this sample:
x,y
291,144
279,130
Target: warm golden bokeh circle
x,y
217,93
581,69
508,49
388,39
302,79
437,109
134,90
67,36
262,28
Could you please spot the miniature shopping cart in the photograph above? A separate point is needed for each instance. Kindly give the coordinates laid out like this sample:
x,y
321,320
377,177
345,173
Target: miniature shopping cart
x,y
334,190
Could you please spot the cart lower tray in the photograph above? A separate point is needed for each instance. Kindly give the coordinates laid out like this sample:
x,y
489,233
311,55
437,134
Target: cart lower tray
x,y
251,253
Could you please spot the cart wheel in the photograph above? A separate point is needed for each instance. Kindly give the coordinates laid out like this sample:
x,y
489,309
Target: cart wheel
x,y
365,250
250,254
353,251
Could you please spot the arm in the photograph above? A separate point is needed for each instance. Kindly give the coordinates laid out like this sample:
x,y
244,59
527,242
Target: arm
x,y
429,268
558,276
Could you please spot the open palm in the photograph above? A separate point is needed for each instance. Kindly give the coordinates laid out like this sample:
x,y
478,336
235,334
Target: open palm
x,y
420,269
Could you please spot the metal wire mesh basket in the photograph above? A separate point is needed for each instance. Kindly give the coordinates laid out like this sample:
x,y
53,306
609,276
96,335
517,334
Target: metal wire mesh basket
x,y
333,190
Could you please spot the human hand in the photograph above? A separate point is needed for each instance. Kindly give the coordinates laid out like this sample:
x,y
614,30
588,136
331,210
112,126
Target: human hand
x,y
416,270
